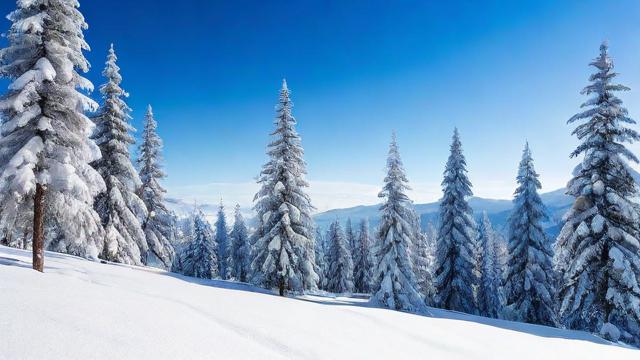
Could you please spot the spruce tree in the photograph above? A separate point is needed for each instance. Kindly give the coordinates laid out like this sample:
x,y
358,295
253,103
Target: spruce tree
x,y
239,256
490,288
340,272
454,276
45,146
159,224
350,235
529,284
598,249
284,250
394,283
120,209
321,260
420,258
363,262
199,258
222,239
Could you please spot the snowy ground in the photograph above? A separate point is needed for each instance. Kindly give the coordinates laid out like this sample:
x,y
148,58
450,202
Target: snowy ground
x,y
84,310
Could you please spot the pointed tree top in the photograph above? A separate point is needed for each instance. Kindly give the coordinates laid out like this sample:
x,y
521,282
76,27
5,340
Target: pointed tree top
x,y
393,145
284,84
149,110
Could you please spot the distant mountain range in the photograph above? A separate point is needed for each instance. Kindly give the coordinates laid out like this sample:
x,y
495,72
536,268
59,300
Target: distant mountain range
x,y
557,204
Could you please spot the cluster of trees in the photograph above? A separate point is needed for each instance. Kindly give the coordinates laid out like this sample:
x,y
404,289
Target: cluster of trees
x,y
217,252
67,182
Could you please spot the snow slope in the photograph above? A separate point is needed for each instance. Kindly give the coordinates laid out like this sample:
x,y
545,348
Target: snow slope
x,y
80,309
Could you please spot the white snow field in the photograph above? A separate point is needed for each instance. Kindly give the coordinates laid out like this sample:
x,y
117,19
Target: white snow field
x,y
80,309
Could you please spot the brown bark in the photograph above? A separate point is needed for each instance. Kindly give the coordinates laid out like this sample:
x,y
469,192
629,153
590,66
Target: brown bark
x,y
281,287
38,229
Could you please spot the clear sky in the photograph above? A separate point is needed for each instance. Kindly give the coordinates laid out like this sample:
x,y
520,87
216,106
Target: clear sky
x,y
501,71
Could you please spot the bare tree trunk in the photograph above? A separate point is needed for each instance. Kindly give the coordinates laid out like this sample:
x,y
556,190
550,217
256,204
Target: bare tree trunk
x,y
281,286
38,229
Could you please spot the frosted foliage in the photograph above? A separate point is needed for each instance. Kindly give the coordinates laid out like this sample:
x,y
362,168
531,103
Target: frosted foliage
x,y
598,251
284,250
454,277
239,255
340,267
530,279
351,236
394,284
363,259
321,259
490,299
45,134
421,258
122,212
159,222
222,239
199,257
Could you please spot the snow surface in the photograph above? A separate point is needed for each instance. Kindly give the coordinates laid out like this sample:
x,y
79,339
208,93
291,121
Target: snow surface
x,y
80,309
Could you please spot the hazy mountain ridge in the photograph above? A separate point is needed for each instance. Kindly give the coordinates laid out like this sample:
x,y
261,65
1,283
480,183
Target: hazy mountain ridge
x,y
498,210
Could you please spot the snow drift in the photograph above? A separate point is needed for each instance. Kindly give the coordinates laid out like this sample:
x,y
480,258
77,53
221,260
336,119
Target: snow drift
x,y
80,309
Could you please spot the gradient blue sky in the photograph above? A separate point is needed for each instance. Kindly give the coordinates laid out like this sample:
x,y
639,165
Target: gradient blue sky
x,y
501,71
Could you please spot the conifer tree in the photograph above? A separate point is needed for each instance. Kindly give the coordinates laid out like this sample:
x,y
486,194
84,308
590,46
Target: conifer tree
x,y
420,258
321,260
222,239
454,276
120,209
240,248
363,261
489,291
350,235
340,274
284,251
159,224
45,146
529,284
394,283
199,258
598,249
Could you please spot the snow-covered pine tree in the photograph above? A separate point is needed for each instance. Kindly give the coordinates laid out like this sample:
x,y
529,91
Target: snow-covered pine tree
x,y
350,235
490,288
159,224
340,274
240,248
394,284
321,260
420,258
222,239
454,276
121,210
363,261
529,280
598,249
284,252
45,146
199,258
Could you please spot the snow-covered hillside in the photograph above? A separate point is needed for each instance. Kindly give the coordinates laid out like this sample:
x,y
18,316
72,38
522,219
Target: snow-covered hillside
x,y
80,309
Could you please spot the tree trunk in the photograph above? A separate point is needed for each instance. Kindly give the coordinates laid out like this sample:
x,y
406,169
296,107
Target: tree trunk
x,y
281,287
38,229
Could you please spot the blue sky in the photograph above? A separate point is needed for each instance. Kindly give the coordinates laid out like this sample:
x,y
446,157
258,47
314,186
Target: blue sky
x,y
501,71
